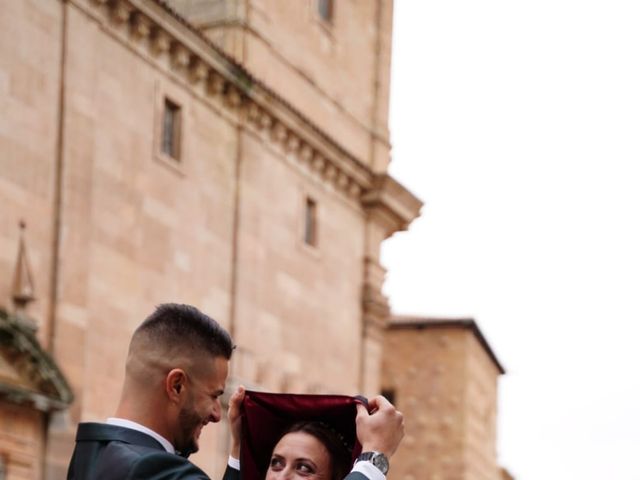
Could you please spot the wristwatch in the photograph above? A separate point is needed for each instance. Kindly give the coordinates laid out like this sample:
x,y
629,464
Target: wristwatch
x,y
378,459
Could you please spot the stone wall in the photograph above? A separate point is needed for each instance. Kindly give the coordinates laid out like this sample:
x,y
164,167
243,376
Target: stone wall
x,y
342,64
30,37
444,381
296,303
115,226
21,442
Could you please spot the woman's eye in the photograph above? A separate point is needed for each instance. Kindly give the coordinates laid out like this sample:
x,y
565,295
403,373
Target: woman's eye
x,y
305,468
276,464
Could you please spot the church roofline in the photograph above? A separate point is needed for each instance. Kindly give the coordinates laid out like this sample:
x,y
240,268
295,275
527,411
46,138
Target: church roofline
x,y
400,322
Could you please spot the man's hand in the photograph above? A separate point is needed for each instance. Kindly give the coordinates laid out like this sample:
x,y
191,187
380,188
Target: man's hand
x,y
382,430
235,420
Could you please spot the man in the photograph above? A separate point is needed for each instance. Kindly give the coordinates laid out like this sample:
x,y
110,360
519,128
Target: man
x,y
176,371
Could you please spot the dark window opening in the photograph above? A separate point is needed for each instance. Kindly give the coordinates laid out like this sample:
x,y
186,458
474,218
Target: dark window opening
x,y
171,129
310,227
389,394
325,10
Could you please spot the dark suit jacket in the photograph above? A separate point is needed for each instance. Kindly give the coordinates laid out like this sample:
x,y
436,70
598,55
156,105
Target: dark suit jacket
x,y
109,452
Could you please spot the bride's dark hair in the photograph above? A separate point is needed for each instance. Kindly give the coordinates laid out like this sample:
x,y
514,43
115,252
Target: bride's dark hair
x,y
339,451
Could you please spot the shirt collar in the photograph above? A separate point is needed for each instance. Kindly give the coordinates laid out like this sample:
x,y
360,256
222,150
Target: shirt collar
x,y
122,422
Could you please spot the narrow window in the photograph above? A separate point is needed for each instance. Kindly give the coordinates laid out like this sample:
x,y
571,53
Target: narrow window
x,y
310,227
171,130
325,9
389,394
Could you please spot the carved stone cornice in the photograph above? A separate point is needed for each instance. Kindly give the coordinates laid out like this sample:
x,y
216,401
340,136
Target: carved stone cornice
x,y
43,386
120,11
140,27
157,29
153,27
390,204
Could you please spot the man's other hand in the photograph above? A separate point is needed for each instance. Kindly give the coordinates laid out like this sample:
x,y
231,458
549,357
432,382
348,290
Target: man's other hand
x,y
382,429
235,420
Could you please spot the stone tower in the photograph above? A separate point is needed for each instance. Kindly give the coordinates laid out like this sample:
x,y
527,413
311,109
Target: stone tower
x,y
442,374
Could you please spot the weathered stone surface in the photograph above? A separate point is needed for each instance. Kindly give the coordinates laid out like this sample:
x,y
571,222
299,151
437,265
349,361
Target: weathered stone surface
x,y
117,226
444,379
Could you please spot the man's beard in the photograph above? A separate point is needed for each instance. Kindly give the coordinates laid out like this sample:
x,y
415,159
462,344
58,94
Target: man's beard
x,y
189,422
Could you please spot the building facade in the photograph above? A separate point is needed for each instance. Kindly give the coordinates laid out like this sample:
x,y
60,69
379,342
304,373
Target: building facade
x,y
443,375
226,154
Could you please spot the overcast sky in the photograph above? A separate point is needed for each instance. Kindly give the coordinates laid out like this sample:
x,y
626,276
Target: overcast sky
x,y
518,124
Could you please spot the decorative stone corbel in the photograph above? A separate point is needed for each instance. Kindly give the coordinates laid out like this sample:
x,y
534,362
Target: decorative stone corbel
x,y
306,153
253,113
266,121
180,56
215,83
293,143
160,41
233,97
330,172
120,11
140,26
318,162
198,70
279,132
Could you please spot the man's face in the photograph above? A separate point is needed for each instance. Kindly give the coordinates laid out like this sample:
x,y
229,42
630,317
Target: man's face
x,y
202,404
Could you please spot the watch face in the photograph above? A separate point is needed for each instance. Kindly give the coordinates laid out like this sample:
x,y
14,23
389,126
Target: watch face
x,y
381,462
377,459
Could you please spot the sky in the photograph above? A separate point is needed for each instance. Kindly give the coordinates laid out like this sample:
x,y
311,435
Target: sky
x,y
517,123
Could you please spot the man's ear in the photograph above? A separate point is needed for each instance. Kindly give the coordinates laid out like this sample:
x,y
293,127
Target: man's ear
x,y
174,384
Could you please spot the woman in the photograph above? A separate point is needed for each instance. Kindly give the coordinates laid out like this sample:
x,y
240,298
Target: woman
x,y
258,420
309,450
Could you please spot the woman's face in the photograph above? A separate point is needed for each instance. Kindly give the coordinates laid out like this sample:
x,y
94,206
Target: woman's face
x,y
299,455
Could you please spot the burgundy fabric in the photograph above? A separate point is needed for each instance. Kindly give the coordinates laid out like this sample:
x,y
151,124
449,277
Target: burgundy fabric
x,y
267,415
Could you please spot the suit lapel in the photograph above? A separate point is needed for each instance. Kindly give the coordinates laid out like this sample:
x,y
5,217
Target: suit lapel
x,y
90,432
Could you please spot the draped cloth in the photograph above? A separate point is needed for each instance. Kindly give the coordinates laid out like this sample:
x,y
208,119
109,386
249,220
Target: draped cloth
x,y
267,415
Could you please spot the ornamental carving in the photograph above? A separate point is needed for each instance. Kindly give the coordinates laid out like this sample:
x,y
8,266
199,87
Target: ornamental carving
x,y
155,27
235,85
41,384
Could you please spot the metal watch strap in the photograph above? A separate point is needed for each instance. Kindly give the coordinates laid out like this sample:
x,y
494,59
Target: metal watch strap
x,y
379,460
